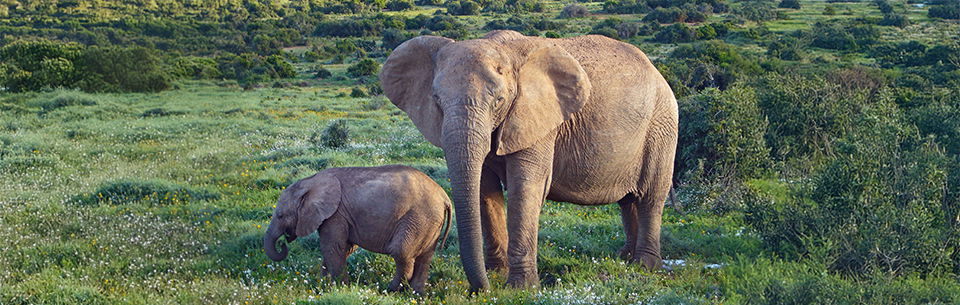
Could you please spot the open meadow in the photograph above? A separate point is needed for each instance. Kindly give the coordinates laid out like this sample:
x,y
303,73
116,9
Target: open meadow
x,y
818,163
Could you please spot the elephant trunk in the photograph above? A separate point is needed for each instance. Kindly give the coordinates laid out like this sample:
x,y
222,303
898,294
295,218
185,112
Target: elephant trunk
x,y
270,244
466,142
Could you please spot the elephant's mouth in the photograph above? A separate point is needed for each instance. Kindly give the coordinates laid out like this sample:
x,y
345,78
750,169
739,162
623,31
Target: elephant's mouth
x,y
290,237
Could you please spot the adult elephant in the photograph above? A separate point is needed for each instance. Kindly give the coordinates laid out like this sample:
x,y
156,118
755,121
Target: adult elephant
x,y
586,120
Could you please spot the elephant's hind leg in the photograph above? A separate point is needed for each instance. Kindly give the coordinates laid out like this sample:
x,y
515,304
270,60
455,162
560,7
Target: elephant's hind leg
x,y
656,178
421,270
404,273
628,213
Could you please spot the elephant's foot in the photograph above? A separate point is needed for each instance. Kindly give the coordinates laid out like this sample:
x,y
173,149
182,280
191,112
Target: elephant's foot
x,y
418,288
395,286
626,252
649,260
523,279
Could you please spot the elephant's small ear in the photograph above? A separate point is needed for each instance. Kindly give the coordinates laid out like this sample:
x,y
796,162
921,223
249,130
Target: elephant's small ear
x,y
319,202
407,79
552,86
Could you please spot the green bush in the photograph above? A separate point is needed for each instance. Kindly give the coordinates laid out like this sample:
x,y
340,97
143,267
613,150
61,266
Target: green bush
x,y
364,67
400,5
948,10
877,205
157,192
34,65
463,8
791,4
323,73
336,135
195,68
676,33
125,70
574,11
722,136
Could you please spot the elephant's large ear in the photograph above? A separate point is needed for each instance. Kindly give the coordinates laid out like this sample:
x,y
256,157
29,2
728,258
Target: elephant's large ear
x,y
318,203
407,79
552,87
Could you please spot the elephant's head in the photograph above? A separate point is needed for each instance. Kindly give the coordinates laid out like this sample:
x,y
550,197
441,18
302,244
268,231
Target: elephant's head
x,y
301,209
500,94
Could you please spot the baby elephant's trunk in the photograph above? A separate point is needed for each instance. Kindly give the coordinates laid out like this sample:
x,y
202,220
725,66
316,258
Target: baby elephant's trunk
x,y
270,245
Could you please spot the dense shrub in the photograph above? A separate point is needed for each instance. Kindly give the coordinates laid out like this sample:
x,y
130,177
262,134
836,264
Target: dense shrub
x,y
625,6
676,33
195,68
877,205
884,6
122,70
806,114
33,65
722,136
949,10
249,67
323,73
400,5
336,135
463,7
364,67
785,47
392,38
574,11
710,64
349,27
358,92
897,20
756,11
843,36
158,192
791,4
513,6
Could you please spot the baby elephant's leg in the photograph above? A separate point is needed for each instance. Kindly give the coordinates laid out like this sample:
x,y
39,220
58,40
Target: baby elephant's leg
x,y
335,249
404,273
421,270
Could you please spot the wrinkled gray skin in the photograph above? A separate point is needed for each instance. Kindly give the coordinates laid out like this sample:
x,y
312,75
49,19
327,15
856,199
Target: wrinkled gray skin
x,y
587,120
395,210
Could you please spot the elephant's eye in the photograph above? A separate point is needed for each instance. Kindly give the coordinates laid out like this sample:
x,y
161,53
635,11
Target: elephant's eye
x,y
500,99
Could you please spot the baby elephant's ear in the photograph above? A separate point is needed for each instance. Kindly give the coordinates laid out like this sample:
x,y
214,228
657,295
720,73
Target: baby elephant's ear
x,y
319,203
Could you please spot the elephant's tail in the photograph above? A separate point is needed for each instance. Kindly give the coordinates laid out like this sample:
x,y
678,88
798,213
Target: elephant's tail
x,y
449,217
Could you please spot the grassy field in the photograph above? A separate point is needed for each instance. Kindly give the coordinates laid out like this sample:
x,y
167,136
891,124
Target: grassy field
x,y
163,199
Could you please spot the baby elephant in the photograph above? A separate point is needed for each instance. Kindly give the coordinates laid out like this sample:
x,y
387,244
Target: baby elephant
x,y
393,209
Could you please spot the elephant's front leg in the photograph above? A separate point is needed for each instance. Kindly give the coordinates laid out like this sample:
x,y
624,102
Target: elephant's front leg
x,y
493,220
528,180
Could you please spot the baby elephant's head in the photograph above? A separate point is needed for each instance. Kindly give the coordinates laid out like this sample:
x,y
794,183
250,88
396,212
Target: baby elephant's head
x,y
301,209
